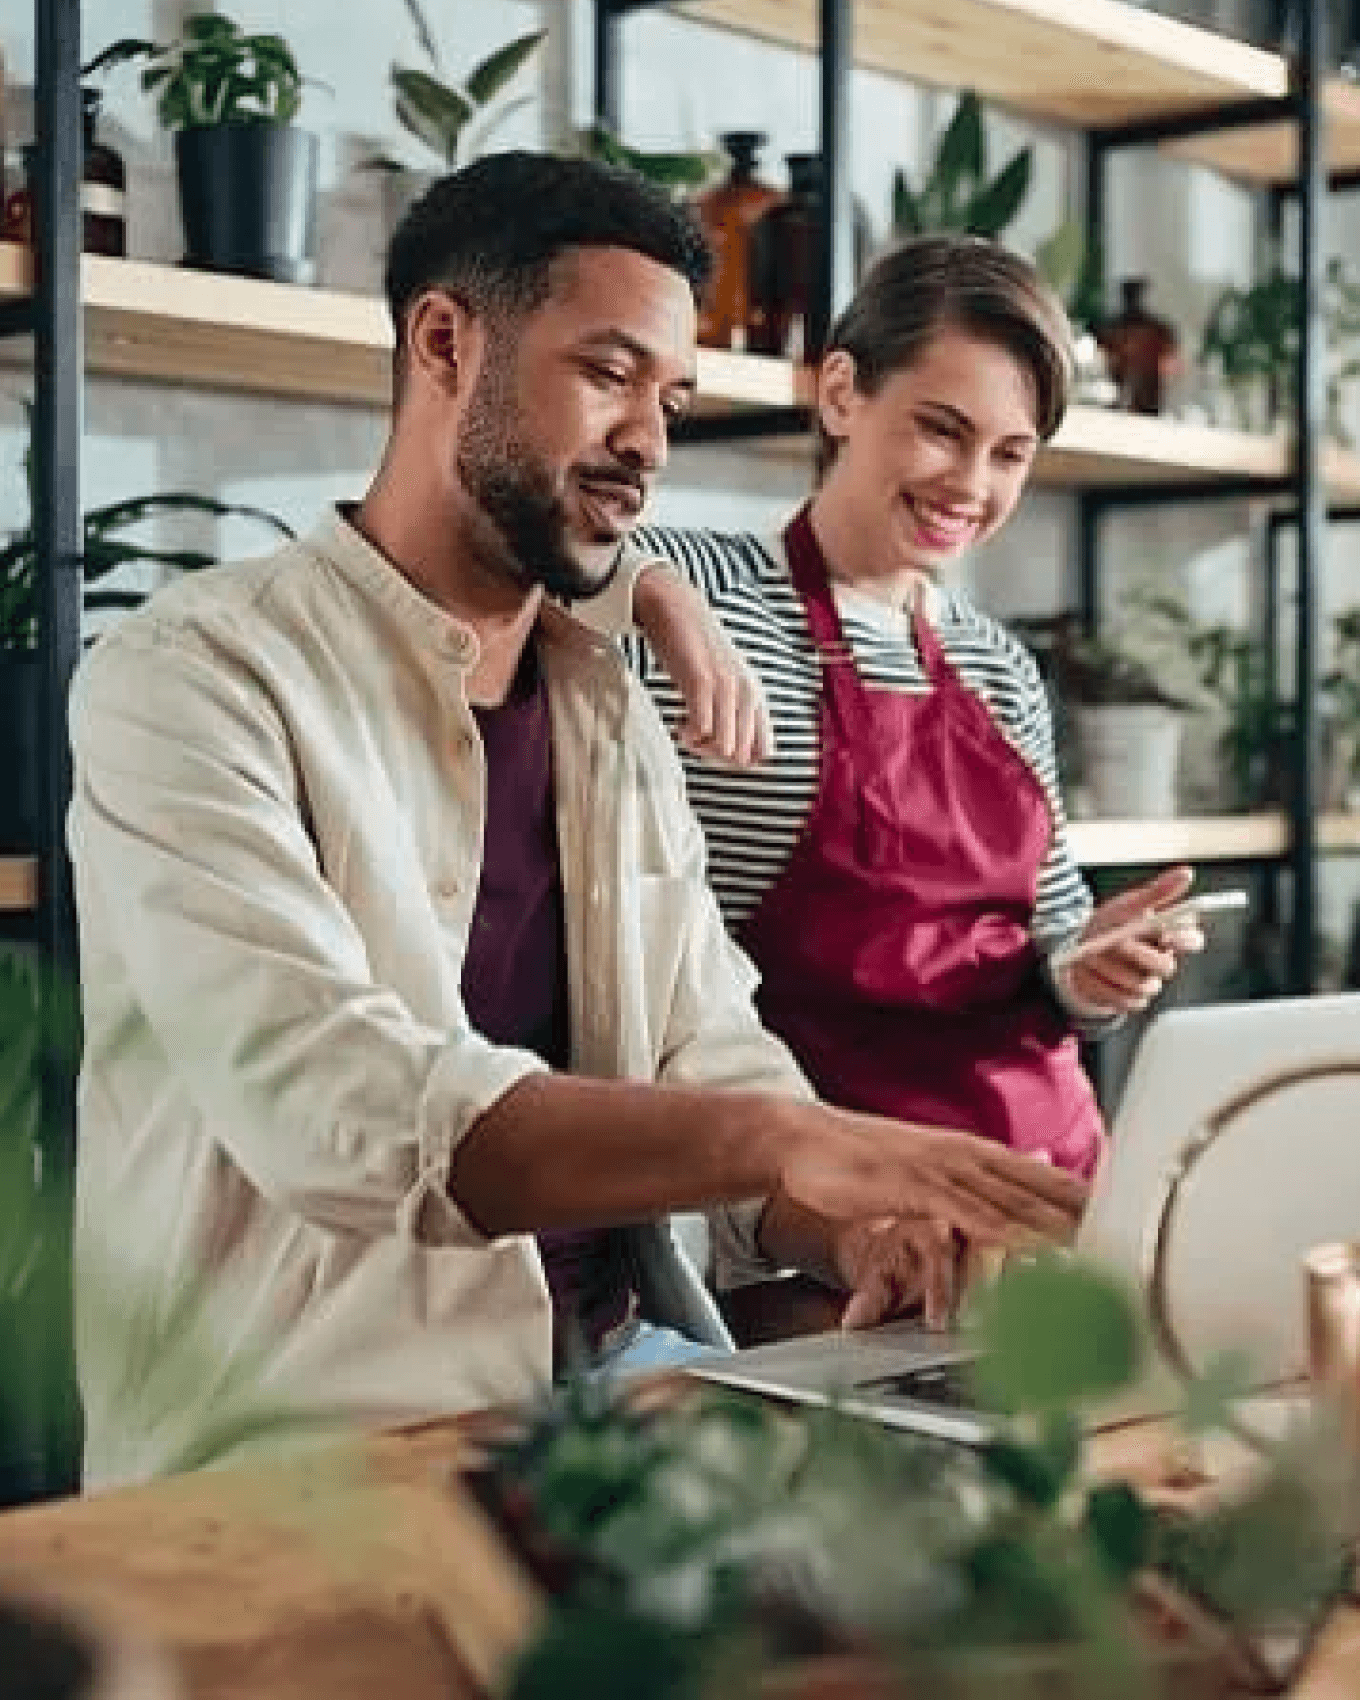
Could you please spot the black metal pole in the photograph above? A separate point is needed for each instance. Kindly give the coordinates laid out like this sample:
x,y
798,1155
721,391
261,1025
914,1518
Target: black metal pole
x,y
607,102
835,255
1089,512
1312,495
58,334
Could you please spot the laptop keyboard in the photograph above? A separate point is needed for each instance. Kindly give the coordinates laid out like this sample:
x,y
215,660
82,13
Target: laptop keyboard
x,y
948,1386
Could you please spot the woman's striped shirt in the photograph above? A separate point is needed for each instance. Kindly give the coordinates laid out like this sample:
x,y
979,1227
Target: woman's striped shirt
x,y
752,818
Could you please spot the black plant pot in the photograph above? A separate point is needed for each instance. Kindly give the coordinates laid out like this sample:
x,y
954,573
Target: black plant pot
x,y
19,766
247,194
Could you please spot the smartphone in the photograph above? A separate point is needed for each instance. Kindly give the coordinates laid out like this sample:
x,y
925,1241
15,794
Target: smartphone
x,y
1160,921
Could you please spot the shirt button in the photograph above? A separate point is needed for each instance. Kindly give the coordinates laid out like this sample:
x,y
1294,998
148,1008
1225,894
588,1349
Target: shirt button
x,y
447,887
596,895
460,645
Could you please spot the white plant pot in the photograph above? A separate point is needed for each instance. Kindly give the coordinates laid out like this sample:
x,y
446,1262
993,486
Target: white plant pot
x,y
1129,754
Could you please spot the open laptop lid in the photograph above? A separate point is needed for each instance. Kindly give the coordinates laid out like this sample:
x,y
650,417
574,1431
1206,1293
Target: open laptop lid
x,y
1256,1108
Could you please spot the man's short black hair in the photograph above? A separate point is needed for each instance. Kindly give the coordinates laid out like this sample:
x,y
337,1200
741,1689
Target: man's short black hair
x,y
489,234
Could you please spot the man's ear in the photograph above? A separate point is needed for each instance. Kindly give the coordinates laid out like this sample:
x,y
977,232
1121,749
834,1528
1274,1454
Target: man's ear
x,y
837,394
443,340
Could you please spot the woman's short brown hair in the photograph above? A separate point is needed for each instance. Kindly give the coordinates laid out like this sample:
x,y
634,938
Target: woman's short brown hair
x,y
929,283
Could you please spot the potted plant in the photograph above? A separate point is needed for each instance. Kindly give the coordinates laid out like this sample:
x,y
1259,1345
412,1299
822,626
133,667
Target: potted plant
x,y
247,173
452,121
106,549
701,1545
1251,345
1126,720
957,193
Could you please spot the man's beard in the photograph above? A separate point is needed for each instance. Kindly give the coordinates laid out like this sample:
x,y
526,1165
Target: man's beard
x,y
517,495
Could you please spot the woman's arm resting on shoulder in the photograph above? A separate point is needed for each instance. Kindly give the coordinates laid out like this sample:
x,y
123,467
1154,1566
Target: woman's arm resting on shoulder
x,y
726,716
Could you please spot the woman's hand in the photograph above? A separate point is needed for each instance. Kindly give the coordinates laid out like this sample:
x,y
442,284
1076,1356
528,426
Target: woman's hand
x,y
1131,972
726,717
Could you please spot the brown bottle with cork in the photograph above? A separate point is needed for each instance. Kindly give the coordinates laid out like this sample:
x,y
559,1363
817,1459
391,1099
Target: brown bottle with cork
x,y
727,213
1142,350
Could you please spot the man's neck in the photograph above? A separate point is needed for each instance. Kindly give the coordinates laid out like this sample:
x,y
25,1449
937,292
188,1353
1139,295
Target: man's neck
x,y
443,569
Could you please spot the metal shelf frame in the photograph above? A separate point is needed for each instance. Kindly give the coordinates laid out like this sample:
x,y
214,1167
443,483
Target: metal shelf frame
x,y
48,1463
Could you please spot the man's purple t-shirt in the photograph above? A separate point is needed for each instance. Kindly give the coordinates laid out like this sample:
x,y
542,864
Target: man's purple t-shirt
x,y
515,975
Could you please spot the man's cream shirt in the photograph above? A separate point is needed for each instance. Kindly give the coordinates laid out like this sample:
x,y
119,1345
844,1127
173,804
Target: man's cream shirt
x,y
276,830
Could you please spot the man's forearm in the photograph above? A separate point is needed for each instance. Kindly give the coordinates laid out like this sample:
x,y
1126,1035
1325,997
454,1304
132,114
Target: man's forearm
x,y
560,1151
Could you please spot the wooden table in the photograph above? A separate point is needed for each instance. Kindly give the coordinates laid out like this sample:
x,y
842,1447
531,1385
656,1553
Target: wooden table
x,y
356,1574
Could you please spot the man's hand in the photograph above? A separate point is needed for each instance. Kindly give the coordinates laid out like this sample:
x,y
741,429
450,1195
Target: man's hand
x,y
1132,972
857,1167
726,717
895,1265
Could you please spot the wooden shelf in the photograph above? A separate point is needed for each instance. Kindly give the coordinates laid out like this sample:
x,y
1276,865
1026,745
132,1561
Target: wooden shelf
x,y
170,325
1077,63
1202,838
18,884
167,325
1186,838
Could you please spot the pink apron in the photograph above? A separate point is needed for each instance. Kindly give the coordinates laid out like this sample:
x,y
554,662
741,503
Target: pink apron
x,y
894,949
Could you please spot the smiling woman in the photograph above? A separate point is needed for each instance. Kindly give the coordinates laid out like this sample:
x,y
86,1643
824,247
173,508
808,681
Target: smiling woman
x,y
900,870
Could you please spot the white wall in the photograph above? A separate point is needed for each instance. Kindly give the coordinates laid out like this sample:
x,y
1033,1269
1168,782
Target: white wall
x,y
682,83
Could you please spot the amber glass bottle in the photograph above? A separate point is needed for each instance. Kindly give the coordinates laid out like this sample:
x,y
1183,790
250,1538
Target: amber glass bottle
x,y
727,213
1142,350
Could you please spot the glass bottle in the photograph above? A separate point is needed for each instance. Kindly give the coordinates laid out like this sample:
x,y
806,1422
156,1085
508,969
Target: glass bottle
x,y
784,257
1142,349
103,187
103,191
727,214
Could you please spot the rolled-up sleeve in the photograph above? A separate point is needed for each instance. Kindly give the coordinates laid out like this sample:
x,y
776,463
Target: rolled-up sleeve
x,y
219,929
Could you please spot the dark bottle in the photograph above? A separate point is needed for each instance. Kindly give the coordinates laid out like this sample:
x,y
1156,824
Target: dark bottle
x,y
784,247
103,191
1142,350
727,214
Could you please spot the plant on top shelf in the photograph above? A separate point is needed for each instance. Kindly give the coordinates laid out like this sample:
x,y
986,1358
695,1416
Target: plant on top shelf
x,y
958,194
247,173
454,120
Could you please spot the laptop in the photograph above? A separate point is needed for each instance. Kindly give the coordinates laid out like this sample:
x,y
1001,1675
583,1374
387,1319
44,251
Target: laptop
x,y
1235,1148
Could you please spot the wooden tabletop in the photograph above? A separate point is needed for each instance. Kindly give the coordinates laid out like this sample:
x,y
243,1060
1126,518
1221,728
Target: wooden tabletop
x,y
362,1572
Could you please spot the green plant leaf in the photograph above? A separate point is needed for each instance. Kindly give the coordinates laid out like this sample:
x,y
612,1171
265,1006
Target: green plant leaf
x,y
432,111
607,1654
424,34
487,80
1061,257
1054,1333
1120,1526
961,159
994,205
120,53
206,27
906,212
